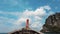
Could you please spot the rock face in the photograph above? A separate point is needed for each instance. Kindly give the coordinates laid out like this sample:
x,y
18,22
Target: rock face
x,y
52,23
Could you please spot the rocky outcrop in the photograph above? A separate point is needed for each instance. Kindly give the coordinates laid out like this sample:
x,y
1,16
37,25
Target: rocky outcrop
x,y
24,31
52,23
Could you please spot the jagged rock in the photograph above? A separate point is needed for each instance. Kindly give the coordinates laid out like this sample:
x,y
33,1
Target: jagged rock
x,y
52,23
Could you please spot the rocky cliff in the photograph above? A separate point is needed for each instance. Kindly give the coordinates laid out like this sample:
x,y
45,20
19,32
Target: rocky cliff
x,y
52,23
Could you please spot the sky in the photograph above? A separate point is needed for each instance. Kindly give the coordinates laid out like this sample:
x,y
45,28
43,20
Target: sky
x,y
13,13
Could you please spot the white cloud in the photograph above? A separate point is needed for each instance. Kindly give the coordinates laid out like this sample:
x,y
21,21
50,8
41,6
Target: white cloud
x,y
35,24
47,7
11,13
38,18
35,17
21,20
30,13
38,11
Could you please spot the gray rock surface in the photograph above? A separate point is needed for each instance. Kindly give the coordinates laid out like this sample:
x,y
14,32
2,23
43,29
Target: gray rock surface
x,y
52,23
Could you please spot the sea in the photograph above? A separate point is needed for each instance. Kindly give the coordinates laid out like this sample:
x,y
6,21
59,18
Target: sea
x,y
44,33
3,33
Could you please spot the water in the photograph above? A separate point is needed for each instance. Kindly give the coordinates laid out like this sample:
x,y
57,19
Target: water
x,y
44,33
3,33
52,33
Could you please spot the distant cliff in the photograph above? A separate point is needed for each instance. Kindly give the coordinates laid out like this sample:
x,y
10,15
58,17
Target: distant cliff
x,y
52,23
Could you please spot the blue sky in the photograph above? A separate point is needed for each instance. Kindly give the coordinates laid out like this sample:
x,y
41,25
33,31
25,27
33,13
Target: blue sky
x,y
13,13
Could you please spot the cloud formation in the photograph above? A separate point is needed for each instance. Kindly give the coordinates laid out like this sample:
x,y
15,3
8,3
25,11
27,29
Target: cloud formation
x,y
17,19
